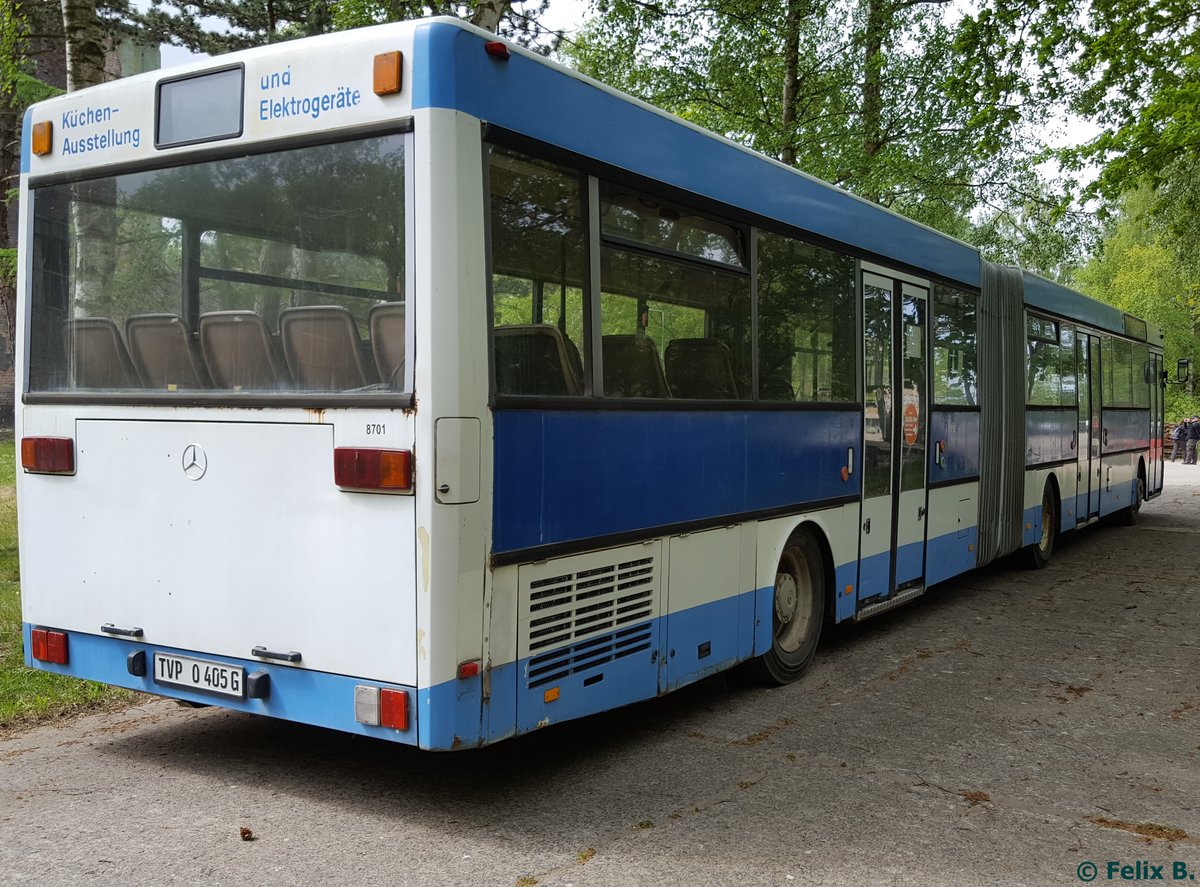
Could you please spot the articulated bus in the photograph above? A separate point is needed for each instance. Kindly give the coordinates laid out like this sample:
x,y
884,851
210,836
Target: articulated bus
x,y
405,383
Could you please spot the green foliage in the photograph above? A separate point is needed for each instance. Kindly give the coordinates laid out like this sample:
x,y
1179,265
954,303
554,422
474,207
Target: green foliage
x,y
519,21
1038,229
243,23
868,110
1130,66
1138,271
12,35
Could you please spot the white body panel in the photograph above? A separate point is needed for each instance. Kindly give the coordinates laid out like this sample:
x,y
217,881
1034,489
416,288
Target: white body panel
x,y
451,366
262,550
953,510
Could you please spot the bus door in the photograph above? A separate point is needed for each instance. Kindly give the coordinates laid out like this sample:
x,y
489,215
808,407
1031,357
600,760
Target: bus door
x,y
1154,378
892,547
1087,362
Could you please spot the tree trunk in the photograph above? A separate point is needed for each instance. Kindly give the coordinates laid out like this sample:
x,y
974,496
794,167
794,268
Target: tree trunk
x,y
85,44
791,75
488,13
876,27
94,221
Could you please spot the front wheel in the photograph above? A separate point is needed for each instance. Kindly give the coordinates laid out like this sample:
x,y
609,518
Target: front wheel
x,y
1038,554
797,612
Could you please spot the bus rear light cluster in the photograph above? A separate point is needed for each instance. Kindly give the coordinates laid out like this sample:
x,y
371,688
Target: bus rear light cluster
x,y
360,468
48,455
381,707
49,646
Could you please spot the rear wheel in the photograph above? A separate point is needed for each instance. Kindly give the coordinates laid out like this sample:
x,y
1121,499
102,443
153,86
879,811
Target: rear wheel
x,y
797,612
1128,517
1038,554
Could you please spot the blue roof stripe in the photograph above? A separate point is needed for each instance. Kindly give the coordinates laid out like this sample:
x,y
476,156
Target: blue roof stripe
x,y
1058,299
533,97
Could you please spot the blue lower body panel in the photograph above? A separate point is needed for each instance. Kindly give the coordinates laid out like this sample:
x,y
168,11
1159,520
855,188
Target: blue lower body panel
x,y
308,697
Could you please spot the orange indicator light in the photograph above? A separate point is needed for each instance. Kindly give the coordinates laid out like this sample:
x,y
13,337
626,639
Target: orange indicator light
x,y
550,695
388,73
42,138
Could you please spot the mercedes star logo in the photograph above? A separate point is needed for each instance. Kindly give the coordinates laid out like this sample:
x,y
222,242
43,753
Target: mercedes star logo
x,y
195,463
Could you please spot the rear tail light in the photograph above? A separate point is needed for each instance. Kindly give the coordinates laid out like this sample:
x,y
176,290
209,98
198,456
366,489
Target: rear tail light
x,y
359,468
381,707
48,455
393,709
49,646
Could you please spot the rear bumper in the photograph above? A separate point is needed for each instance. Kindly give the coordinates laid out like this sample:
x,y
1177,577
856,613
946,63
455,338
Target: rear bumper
x,y
296,694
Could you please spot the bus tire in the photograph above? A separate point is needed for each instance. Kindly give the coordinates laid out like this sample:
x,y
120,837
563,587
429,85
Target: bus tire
x,y
797,612
1039,554
1128,517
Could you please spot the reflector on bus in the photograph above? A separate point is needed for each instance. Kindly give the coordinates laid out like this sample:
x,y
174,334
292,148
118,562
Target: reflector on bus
x,y
49,646
48,455
388,73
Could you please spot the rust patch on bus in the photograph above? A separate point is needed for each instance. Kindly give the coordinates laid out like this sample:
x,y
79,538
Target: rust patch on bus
x,y
316,415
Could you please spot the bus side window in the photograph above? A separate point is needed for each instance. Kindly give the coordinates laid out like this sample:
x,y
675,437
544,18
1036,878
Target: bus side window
x,y
806,329
539,273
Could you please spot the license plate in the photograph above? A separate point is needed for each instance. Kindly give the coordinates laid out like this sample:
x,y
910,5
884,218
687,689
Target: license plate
x,y
197,674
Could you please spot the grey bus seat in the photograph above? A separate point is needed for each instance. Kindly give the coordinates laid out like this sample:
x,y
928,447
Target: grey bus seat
x,y
387,325
632,367
97,355
775,387
532,359
574,361
700,369
241,353
323,349
164,352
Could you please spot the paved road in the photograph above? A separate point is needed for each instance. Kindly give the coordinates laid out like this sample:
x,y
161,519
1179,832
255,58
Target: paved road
x,y
1005,729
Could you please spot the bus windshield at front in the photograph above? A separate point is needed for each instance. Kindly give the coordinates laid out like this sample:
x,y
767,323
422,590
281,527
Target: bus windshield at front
x,y
268,274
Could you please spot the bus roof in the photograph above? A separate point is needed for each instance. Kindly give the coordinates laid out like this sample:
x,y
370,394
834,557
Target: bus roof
x,y
1058,299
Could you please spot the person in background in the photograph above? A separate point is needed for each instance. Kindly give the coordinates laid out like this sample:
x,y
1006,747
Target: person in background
x,y
1193,435
1178,438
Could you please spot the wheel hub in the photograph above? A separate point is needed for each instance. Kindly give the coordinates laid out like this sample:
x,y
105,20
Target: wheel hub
x,y
786,597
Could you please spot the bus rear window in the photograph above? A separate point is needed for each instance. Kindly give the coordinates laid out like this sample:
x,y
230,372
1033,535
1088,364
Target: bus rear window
x,y
269,274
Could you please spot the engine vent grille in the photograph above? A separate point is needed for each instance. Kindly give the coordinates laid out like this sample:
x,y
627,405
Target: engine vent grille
x,y
572,606
558,664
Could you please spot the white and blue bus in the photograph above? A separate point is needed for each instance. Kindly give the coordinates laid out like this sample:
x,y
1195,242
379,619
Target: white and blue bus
x,y
403,382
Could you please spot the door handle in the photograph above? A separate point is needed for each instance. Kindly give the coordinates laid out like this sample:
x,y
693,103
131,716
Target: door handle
x,y
920,512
